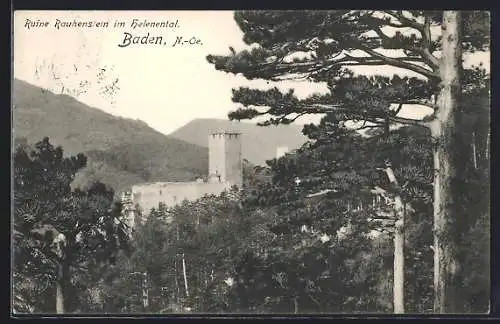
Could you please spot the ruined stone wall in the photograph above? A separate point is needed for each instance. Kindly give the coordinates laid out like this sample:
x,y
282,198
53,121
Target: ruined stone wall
x,y
151,195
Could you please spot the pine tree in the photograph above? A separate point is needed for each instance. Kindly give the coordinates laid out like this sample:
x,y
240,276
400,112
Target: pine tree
x,y
61,236
331,39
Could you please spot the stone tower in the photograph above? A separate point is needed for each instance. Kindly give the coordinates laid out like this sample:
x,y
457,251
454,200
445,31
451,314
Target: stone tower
x,y
224,158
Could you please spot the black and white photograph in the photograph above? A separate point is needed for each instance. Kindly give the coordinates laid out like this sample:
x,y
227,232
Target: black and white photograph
x,y
250,162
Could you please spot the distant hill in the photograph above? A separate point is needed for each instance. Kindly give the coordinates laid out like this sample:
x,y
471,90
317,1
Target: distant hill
x,y
259,143
121,151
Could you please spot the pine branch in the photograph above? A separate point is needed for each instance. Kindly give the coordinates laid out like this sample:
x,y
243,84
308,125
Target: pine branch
x,y
370,126
373,61
398,109
423,51
408,121
406,22
377,123
284,118
312,66
427,44
314,299
370,19
321,193
401,64
422,102
324,108
353,61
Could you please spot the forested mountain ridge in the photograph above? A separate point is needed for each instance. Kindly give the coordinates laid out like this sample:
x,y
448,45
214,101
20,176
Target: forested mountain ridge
x,y
259,144
121,151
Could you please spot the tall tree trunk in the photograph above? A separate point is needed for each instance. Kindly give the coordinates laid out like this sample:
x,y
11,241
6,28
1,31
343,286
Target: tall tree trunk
x,y
399,242
59,289
62,281
62,285
399,259
145,292
176,282
474,153
185,275
446,265
487,149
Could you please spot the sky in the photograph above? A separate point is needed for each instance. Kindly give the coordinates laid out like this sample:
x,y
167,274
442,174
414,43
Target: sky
x,y
164,86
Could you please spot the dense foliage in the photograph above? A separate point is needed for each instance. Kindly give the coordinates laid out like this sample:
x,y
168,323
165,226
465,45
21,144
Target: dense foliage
x,y
333,47
273,247
285,252
46,207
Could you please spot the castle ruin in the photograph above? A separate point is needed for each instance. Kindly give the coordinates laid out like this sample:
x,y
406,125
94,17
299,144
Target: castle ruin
x,y
225,172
